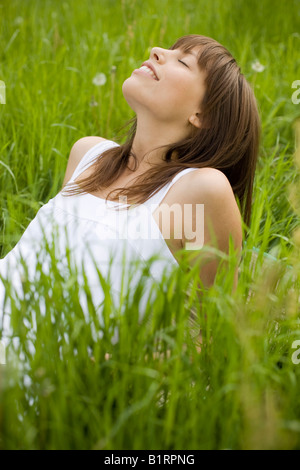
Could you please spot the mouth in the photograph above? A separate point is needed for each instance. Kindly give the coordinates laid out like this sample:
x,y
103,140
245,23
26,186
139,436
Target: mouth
x,y
148,68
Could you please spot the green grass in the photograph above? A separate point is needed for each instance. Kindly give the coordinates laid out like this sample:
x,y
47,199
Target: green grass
x,y
59,389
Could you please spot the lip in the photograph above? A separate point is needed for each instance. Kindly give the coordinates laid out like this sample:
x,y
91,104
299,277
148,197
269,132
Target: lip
x,y
144,73
151,66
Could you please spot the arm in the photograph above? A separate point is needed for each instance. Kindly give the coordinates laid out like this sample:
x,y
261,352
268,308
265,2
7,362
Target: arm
x,y
222,219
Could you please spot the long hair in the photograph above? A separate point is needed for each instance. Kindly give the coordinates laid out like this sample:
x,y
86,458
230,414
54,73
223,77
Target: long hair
x,y
228,140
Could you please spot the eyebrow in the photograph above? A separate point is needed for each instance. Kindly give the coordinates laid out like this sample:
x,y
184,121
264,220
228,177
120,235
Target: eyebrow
x,y
193,54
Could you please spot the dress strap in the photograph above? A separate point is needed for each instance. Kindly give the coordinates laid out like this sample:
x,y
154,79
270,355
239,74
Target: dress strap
x,y
91,156
154,201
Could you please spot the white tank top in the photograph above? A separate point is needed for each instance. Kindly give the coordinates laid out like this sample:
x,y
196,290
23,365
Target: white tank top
x,y
96,235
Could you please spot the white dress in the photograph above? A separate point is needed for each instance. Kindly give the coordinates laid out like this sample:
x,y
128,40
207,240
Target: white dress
x,y
97,236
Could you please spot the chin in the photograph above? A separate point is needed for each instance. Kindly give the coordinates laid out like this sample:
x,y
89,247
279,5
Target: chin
x,y
126,87
129,92
128,82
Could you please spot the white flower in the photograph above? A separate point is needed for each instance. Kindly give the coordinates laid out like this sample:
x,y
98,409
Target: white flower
x,y
93,103
18,20
257,66
99,79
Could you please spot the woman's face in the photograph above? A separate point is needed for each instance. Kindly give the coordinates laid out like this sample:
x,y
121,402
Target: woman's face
x,y
178,92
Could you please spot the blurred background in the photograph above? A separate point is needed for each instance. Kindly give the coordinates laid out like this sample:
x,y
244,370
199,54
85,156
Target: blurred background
x,y
62,66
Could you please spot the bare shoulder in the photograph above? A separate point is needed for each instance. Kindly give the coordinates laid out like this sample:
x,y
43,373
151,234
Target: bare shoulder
x,y
212,188
210,182
222,220
78,150
83,145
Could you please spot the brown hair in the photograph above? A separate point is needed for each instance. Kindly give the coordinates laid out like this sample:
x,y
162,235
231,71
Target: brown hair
x,y
228,140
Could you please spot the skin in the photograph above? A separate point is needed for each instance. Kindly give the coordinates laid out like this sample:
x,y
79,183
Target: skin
x,y
168,109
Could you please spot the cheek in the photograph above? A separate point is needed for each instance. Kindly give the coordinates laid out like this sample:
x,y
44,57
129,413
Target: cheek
x,y
178,93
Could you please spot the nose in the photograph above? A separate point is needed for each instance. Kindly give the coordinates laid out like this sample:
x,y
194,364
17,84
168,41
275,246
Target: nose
x,y
158,54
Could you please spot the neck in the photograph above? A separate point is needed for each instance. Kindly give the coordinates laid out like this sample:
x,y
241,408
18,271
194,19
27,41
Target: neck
x,y
152,134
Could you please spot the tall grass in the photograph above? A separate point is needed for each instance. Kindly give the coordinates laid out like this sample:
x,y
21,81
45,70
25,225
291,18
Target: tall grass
x,y
67,382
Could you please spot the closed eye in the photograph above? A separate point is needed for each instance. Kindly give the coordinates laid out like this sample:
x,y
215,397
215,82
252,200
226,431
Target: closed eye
x,y
183,63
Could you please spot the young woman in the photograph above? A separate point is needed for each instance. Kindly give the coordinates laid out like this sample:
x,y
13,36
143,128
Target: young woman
x,y
193,144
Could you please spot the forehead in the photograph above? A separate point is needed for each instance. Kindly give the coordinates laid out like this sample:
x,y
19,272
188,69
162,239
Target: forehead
x,y
188,48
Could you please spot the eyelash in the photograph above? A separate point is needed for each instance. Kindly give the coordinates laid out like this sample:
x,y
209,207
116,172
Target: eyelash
x,y
183,63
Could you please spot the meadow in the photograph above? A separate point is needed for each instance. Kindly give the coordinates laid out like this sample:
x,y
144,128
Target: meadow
x,y
70,386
